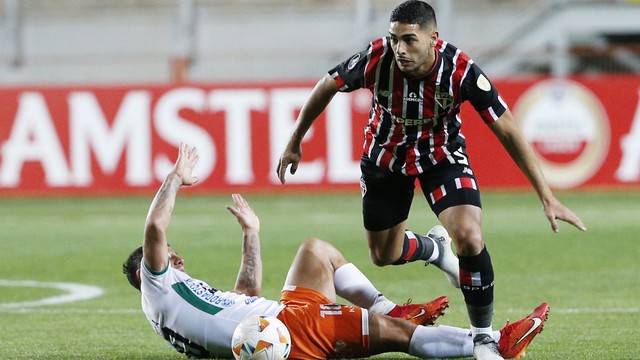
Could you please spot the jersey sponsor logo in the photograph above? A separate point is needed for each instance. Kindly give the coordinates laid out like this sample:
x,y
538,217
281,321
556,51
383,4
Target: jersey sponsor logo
x,y
201,297
412,122
413,97
567,127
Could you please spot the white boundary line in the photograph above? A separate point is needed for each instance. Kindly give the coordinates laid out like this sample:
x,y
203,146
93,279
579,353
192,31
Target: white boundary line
x,y
75,292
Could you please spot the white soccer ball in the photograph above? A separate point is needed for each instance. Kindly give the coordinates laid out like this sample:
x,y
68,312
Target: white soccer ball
x,y
262,337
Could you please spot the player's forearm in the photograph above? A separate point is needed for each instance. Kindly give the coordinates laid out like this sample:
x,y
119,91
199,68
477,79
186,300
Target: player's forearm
x,y
522,154
159,214
249,280
158,218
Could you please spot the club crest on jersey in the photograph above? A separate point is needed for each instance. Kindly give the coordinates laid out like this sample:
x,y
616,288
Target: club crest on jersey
x,y
444,102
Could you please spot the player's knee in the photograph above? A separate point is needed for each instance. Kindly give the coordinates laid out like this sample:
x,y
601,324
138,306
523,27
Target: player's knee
x,y
380,258
318,246
312,244
468,239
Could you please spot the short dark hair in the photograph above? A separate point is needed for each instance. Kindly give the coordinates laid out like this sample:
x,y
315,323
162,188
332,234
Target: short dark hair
x,y
414,12
131,267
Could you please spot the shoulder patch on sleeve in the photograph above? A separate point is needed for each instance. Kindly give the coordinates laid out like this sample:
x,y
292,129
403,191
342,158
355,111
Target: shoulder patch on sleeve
x,y
483,83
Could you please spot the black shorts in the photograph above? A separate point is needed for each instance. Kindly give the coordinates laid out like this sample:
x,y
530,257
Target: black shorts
x,y
387,196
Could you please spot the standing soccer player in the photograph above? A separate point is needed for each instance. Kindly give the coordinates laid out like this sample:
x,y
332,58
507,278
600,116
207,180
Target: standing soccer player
x,y
419,83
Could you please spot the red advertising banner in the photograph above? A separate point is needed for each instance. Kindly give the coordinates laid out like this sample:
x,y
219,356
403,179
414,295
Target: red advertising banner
x,y
118,140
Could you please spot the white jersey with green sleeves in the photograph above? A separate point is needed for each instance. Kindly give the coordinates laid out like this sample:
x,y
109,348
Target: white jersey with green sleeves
x,y
196,319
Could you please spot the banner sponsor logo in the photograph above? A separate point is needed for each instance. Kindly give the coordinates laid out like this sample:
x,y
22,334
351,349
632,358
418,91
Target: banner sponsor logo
x,y
123,139
568,128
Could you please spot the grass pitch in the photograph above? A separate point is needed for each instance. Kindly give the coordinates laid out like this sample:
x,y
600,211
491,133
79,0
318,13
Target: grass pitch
x,y
591,279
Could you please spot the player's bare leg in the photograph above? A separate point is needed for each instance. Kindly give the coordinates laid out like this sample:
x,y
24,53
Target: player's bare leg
x,y
385,246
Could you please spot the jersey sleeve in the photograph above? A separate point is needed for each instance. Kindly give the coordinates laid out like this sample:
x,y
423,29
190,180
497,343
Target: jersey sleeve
x,y
154,282
483,95
350,74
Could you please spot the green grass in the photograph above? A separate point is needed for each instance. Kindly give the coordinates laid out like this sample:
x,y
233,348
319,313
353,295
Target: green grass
x,y
591,279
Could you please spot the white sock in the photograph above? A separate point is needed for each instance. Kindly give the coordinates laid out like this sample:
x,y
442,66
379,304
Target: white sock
x,y
436,251
441,342
352,285
475,331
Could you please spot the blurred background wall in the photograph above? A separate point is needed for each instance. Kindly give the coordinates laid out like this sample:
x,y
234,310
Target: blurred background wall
x,y
147,41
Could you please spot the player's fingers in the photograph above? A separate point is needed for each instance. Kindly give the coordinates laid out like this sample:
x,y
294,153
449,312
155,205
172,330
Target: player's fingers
x,y
242,202
282,169
554,223
575,221
233,210
294,168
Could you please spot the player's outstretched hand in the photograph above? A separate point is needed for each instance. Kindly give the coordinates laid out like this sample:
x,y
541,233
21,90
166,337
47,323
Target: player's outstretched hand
x,y
247,218
290,156
555,210
187,160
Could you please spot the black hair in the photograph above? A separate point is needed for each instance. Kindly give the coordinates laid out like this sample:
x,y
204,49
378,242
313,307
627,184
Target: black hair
x,y
414,12
131,267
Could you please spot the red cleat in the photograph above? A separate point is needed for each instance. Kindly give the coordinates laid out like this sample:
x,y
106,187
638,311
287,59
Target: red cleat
x,y
516,337
421,314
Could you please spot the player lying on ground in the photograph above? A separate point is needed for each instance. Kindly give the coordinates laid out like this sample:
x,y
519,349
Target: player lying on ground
x,y
199,320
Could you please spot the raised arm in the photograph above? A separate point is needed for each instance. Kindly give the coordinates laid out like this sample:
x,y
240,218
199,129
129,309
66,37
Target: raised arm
x,y
520,151
318,100
249,280
154,247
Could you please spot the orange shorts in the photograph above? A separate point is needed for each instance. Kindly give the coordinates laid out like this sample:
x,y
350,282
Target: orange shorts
x,y
321,329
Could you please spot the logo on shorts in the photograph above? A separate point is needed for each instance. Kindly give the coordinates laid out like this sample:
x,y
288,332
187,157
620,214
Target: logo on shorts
x,y
567,127
363,187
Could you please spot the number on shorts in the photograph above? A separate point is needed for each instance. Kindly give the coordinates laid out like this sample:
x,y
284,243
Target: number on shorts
x,y
458,157
330,309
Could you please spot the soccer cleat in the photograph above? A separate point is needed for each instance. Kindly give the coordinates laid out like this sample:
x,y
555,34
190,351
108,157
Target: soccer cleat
x,y
516,337
421,314
485,348
447,261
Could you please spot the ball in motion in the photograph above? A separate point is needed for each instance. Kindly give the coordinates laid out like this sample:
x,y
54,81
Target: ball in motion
x,y
262,337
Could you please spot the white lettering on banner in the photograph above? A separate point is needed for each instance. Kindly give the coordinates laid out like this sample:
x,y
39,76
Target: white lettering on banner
x,y
237,105
90,131
284,104
342,168
33,138
174,129
629,168
104,143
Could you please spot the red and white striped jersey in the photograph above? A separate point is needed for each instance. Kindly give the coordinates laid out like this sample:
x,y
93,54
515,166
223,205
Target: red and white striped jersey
x,y
415,123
